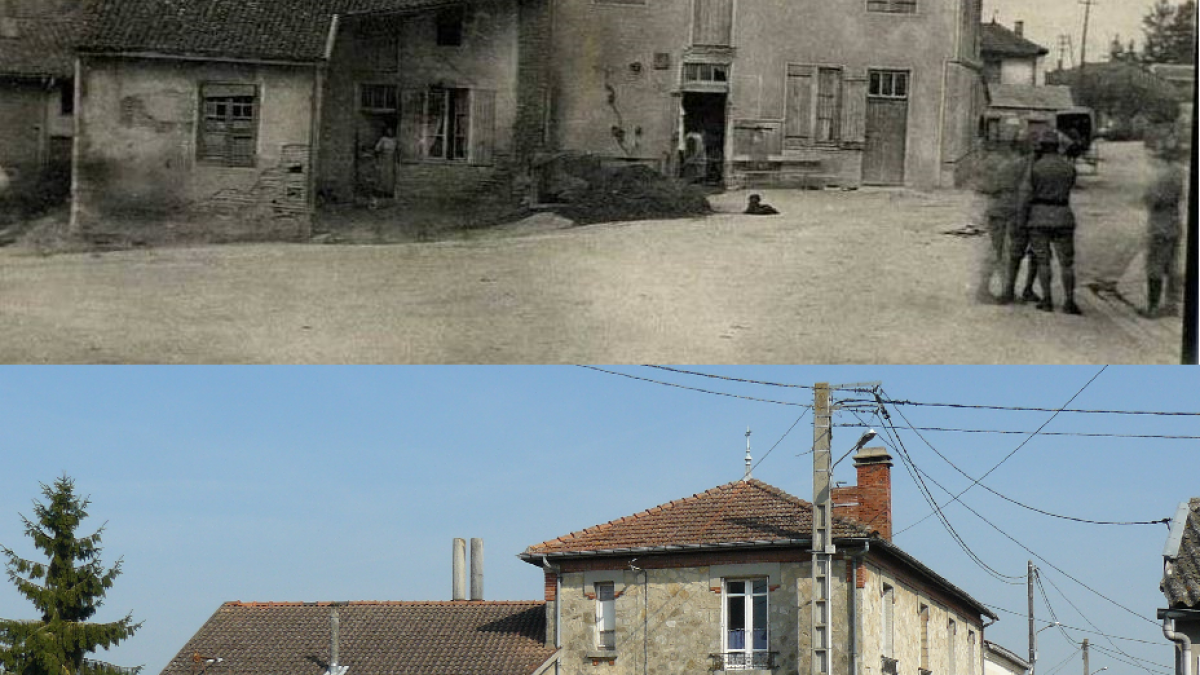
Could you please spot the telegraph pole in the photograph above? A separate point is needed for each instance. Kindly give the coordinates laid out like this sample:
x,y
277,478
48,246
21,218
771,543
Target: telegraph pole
x,y
1086,670
822,541
1032,633
1087,12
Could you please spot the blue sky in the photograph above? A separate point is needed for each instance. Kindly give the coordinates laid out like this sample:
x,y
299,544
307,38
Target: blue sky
x,y
302,484
1045,21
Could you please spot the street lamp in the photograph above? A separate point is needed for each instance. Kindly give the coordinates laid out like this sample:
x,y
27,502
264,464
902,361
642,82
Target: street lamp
x,y
1035,634
866,438
1096,671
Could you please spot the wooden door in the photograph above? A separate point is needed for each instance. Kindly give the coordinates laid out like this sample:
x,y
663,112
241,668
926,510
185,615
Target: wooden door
x,y
887,131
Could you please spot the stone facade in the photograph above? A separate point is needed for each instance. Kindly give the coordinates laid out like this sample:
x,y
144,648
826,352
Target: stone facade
x,y
669,614
140,157
35,133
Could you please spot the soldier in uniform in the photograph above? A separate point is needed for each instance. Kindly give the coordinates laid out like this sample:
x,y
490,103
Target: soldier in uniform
x,y
1050,220
1163,229
756,207
1000,177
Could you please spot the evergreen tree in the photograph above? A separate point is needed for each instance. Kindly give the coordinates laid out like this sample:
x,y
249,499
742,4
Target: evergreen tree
x,y
66,591
1170,32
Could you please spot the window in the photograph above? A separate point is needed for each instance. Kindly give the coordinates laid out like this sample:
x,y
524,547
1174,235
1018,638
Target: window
x,y
888,601
924,615
378,97
951,646
447,112
970,652
892,6
712,23
229,124
606,619
888,84
705,72
66,97
829,104
747,634
450,26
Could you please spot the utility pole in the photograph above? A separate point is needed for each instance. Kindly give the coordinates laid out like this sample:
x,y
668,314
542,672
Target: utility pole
x,y
822,541
1032,634
1086,669
1087,13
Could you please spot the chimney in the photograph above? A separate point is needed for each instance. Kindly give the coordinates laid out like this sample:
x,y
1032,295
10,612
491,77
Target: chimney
x,y
1019,28
476,569
869,502
459,582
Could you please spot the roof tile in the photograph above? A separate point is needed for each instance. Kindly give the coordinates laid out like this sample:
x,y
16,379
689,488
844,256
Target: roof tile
x,y
1182,585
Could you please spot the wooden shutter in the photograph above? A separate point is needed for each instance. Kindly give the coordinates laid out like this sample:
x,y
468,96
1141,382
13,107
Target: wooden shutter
x,y
713,23
483,127
411,136
799,102
854,108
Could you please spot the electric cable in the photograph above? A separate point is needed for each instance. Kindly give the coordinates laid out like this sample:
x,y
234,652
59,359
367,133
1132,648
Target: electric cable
x,y
1083,434
1076,628
785,434
702,391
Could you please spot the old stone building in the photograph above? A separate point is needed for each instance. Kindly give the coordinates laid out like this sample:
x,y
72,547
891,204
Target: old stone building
x,y
722,581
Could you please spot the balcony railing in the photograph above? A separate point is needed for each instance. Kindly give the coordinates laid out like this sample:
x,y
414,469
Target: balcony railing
x,y
744,660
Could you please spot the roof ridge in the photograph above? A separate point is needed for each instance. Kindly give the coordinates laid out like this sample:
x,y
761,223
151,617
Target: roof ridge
x,y
271,604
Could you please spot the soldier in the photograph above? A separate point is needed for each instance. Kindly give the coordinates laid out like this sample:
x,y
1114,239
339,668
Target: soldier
x,y
1050,220
1163,229
1000,177
756,207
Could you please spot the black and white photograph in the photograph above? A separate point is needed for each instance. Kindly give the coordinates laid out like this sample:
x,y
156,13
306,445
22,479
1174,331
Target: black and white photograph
x,y
562,181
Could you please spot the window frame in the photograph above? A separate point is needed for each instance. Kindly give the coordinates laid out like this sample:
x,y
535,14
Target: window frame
x,y
383,87
750,594
606,616
893,6
887,620
891,77
452,129
230,118
832,133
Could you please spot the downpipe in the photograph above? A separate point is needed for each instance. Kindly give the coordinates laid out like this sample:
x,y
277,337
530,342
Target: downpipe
x,y
1185,645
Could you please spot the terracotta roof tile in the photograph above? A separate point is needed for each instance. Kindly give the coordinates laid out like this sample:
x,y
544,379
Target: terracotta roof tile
x,y
739,512
376,638
1182,585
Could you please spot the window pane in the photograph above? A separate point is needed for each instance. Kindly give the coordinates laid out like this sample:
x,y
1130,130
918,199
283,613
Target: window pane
x,y
901,84
874,88
720,74
604,591
736,586
760,586
760,621
736,612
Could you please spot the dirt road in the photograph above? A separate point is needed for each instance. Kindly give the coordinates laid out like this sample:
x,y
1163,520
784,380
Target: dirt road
x,y
845,277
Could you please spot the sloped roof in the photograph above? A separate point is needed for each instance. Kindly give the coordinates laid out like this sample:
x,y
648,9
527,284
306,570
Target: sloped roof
x,y
44,45
285,30
743,512
997,41
379,638
1029,97
1181,583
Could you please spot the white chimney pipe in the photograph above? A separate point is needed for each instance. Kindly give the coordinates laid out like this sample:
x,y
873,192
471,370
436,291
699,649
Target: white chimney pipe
x,y
476,569
459,590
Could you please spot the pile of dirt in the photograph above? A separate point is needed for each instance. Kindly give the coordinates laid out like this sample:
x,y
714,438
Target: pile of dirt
x,y
589,191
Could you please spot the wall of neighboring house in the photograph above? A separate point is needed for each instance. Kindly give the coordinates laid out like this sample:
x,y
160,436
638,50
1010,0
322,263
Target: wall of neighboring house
x,y
1027,71
432,76
619,81
224,143
35,136
686,608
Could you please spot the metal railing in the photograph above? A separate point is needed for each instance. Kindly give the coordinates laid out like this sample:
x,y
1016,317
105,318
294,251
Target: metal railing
x,y
744,660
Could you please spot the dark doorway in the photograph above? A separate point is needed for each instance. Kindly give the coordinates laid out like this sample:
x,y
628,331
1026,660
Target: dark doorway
x,y
704,137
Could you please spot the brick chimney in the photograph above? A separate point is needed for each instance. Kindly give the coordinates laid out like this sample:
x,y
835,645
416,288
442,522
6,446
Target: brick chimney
x,y
1019,28
870,501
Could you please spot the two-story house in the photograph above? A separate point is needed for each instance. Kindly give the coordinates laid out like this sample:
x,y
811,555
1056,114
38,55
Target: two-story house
x,y
722,580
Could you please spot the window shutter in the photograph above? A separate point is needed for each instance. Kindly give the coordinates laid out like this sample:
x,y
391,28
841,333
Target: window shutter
x,y
483,127
412,128
799,102
854,108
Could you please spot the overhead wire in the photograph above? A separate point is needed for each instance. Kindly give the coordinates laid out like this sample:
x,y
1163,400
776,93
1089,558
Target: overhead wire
x,y
1064,662
1075,628
696,389
1084,434
785,435
879,398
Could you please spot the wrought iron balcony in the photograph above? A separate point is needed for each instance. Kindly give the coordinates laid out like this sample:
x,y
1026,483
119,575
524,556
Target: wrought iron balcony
x,y
744,660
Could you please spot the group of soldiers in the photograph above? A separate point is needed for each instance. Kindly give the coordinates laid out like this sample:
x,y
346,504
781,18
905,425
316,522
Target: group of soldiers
x,y
1029,216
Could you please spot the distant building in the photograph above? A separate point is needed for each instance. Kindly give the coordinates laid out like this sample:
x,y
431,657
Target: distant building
x,y
1181,586
1009,58
1000,661
1019,102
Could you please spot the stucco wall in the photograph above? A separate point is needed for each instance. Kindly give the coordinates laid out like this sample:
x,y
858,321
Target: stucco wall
x,y
604,74
22,129
137,156
1019,71
486,60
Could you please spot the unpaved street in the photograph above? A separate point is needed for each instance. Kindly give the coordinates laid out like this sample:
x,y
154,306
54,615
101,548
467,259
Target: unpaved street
x,y
846,277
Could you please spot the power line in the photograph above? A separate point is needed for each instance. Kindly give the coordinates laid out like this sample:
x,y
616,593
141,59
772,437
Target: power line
x,y
1161,521
1081,630
785,434
1064,662
702,391
743,380
879,398
1044,433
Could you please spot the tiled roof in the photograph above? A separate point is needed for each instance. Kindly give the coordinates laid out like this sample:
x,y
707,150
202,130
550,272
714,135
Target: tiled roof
x,y
44,44
1029,97
747,511
996,40
376,638
287,30
1181,584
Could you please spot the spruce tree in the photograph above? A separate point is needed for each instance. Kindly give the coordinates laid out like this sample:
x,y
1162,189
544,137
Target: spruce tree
x,y
67,590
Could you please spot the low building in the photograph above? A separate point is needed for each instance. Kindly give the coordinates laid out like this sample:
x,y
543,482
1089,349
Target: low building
x,y
1181,586
37,95
1009,57
998,660
723,581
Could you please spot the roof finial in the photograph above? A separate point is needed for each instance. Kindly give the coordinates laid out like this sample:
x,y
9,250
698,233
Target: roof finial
x,y
747,477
